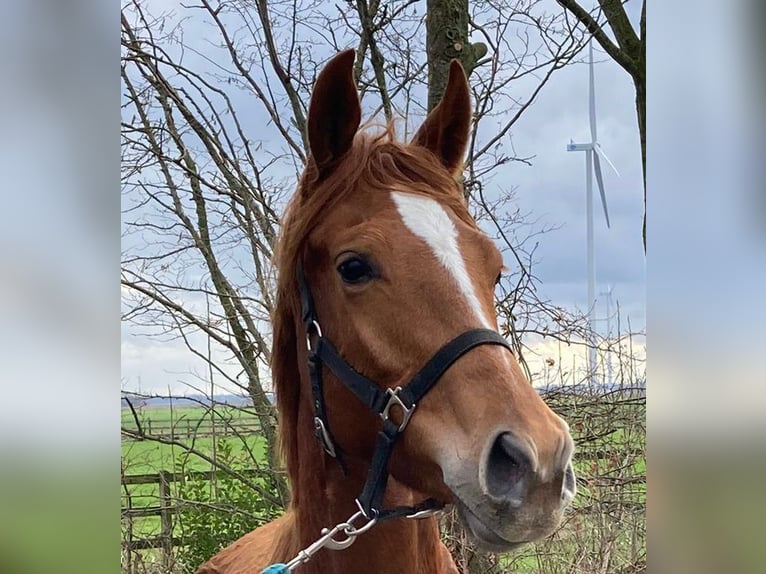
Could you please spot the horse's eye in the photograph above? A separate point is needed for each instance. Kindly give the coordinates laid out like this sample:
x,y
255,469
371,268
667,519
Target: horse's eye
x,y
355,270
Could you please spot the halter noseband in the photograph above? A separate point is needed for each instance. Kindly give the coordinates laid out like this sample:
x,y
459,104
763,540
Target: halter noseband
x,y
381,401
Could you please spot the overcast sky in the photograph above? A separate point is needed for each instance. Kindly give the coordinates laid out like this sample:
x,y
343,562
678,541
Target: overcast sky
x,y
552,190
554,187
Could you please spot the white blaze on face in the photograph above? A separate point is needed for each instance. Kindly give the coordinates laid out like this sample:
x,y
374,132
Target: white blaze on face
x,y
429,221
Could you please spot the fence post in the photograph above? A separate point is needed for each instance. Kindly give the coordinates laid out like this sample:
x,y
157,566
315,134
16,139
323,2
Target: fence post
x,y
129,543
166,520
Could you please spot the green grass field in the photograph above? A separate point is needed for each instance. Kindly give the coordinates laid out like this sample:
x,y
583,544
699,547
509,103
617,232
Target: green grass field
x,y
182,414
141,457
149,457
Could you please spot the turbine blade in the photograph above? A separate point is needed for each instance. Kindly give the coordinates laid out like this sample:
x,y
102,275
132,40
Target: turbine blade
x,y
600,152
600,182
592,96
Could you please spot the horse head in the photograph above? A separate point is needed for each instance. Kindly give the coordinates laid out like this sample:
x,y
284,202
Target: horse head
x,y
398,268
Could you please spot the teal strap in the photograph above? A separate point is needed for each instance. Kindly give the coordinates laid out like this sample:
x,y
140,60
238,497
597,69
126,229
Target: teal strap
x,y
276,569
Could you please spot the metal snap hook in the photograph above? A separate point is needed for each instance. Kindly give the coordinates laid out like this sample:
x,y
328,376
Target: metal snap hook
x,y
332,543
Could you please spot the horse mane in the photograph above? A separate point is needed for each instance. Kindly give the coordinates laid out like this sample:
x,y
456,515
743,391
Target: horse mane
x,y
376,163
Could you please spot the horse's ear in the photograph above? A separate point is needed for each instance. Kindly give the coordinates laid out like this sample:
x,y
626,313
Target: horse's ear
x,y
334,112
447,128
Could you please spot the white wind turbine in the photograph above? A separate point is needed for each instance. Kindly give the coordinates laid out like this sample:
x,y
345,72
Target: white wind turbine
x,y
608,300
593,155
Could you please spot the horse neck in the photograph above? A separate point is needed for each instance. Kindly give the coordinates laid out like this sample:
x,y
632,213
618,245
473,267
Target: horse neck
x,y
323,497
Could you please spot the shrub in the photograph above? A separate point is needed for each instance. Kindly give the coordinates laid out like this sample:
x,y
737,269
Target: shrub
x,y
214,513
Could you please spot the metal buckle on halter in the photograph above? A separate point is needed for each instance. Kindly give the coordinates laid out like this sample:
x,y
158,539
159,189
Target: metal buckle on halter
x,y
394,400
315,329
324,437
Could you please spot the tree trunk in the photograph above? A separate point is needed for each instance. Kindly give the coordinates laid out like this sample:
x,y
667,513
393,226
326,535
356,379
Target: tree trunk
x,y
640,82
446,40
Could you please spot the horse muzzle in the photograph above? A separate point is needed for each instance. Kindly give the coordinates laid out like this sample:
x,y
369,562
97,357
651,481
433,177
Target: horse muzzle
x,y
510,498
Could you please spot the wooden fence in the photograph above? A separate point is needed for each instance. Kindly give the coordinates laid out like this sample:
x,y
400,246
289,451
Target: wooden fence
x,y
165,508
187,428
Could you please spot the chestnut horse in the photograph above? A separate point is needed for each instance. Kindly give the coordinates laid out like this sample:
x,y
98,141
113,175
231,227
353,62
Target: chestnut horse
x,y
379,248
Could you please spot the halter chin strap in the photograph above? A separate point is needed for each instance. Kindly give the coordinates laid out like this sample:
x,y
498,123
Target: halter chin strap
x,y
321,353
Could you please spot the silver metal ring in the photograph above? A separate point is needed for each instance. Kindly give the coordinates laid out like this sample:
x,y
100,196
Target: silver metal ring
x,y
351,530
427,513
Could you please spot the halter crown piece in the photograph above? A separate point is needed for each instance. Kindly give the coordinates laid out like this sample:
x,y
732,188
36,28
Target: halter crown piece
x,y
321,353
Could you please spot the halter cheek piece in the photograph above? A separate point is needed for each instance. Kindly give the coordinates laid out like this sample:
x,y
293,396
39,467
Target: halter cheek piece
x,y
321,353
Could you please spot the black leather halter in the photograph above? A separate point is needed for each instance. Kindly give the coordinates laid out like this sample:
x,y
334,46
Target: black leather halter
x,y
381,401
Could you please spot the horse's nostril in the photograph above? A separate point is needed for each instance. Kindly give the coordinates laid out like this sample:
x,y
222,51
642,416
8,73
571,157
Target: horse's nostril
x,y
507,466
